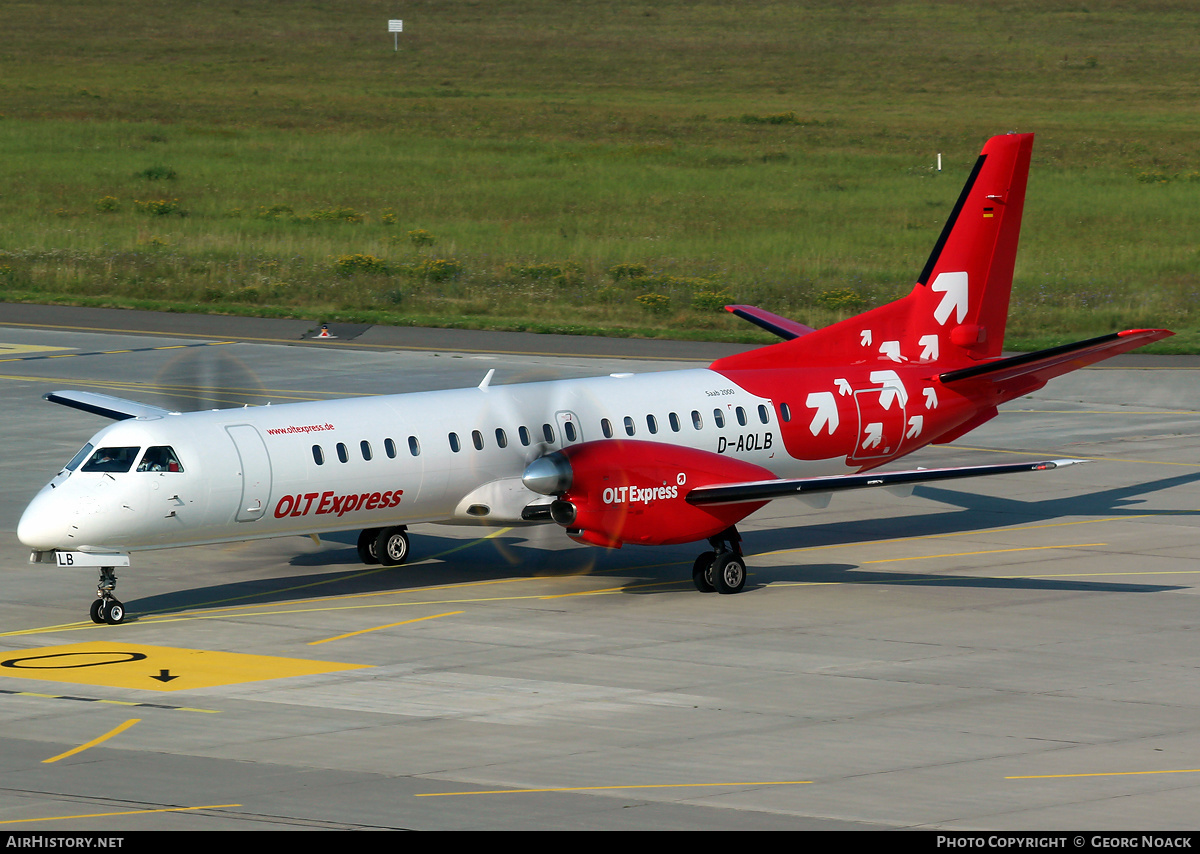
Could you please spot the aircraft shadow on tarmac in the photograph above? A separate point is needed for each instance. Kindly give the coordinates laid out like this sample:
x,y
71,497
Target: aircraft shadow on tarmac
x,y
521,553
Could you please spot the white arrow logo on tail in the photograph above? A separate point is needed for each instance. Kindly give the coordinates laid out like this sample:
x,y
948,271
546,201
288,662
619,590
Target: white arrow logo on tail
x,y
874,434
953,287
931,398
914,426
929,347
826,415
843,386
865,338
892,388
891,349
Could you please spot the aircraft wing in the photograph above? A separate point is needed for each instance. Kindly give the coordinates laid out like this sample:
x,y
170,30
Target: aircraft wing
x,y
765,490
116,408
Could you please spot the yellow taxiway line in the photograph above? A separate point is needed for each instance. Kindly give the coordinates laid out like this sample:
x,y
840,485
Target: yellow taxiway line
x,y
99,740
127,812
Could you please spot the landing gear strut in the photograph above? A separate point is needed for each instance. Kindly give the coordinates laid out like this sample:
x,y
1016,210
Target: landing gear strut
x,y
723,569
107,608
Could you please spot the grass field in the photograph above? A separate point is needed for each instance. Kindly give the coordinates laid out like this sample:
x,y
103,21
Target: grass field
x,y
624,168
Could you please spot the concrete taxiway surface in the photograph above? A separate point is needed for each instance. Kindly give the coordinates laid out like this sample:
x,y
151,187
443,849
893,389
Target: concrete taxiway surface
x,y
1013,653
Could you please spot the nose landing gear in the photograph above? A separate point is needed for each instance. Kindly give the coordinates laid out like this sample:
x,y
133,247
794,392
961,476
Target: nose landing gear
x,y
106,608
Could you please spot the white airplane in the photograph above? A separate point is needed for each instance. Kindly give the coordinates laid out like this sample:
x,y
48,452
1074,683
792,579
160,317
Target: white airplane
x,y
652,459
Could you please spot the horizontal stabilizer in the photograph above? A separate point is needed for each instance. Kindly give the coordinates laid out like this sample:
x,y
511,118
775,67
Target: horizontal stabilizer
x,y
116,408
1035,369
765,490
773,323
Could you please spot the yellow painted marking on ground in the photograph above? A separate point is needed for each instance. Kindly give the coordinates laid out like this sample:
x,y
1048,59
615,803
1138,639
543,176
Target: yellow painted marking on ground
x,y
612,788
110,814
988,552
9,349
972,533
100,740
388,626
118,664
364,574
1104,774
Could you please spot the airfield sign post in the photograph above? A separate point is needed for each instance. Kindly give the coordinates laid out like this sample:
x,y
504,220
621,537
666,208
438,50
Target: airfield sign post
x,y
395,27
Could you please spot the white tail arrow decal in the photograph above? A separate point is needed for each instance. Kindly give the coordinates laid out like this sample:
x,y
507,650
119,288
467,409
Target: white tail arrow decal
x,y
826,415
953,287
931,398
892,388
929,347
874,435
915,423
891,349
865,338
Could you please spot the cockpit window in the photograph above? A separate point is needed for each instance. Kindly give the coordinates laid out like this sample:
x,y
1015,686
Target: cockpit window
x,y
111,460
160,458
84,453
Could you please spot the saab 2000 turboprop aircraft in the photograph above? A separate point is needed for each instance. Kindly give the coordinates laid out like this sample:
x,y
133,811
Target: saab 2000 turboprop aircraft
x,y
652,459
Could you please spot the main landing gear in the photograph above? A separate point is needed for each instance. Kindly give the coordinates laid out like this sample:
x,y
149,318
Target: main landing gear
x,y
387,546
106,608
723,569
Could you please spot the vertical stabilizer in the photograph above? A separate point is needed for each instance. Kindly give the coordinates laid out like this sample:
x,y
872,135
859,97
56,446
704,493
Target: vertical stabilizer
x,y
967,280
958,309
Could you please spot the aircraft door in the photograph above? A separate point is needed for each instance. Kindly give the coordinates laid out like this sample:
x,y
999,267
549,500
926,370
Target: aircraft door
x,y
255,471
880,418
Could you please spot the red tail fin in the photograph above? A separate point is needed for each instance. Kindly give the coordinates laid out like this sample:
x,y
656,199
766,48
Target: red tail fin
x,y
958,309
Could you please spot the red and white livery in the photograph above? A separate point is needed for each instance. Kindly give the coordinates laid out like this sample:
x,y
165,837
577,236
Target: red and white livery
x,y
659,458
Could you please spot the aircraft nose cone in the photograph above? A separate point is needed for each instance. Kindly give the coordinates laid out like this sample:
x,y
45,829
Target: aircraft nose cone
x,y
43,525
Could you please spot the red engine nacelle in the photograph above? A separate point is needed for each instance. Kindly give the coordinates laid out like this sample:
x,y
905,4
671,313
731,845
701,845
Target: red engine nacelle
x,y
616,492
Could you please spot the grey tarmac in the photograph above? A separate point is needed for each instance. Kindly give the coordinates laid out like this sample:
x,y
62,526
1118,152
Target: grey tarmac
x,y
1013,654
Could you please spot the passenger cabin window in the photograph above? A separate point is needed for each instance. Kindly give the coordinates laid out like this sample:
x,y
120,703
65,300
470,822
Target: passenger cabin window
x,y
523,432
548,432
342,453
414,447
697,421
741,416
501,438
651,423
785,412
629,428
112,460
477,440
674,419
159,458
763,415
569,430
455,445
318,455
718,418
606,428
365,447
389,448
